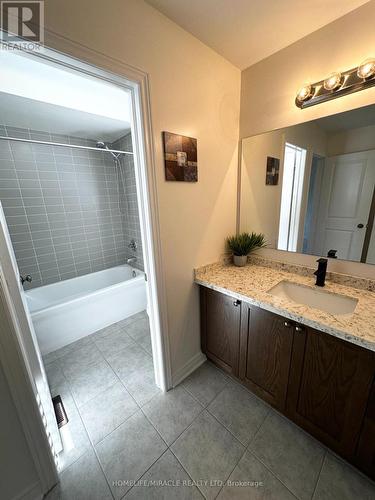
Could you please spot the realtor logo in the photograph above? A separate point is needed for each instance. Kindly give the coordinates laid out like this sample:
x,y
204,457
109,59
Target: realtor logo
x,y
22,20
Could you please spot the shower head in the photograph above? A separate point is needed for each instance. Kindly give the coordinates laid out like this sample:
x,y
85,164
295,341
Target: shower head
x,y
103,145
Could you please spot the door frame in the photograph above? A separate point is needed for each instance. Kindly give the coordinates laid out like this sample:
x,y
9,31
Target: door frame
x,y
75,56
14,364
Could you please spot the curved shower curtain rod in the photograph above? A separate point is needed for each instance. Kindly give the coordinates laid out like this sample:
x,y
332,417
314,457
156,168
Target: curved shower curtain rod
x,y
65,145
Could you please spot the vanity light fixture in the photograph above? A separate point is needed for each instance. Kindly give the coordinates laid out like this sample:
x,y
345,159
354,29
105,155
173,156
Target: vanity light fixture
x,y
337,84
366,69
305,93
333,82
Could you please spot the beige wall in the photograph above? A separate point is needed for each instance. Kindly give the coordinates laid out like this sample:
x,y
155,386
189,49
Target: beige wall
x,y
194,92
260,203
269,87
351,141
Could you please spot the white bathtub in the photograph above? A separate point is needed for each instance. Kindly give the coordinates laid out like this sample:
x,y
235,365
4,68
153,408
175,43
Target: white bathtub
x,y
69,310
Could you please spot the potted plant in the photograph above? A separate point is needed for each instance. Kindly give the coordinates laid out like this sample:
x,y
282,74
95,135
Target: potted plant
x,y
241,245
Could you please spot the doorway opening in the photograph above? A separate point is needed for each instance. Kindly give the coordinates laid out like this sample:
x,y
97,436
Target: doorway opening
x,y
291,198
76,226
315,186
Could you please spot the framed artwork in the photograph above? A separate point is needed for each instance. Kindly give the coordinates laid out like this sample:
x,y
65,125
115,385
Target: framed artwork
x,y
180,158
272,171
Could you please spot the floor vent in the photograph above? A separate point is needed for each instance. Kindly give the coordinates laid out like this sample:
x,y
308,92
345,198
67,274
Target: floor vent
x,y
61,416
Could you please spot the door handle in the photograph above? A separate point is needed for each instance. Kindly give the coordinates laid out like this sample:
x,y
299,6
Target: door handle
x,y
360,226
287,324
236,303
299,329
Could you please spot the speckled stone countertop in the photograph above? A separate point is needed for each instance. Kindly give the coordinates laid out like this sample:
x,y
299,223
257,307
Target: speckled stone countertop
x,y
250,284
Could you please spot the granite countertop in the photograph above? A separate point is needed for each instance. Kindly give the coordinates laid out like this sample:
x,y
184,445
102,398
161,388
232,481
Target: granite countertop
x,y
250,284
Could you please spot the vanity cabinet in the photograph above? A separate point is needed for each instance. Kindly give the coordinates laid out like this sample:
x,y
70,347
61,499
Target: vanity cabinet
x,y
322,383
265,354
329,387
220,329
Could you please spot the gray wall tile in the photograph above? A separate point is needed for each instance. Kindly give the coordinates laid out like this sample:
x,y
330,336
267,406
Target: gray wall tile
x,y
128,200
70,212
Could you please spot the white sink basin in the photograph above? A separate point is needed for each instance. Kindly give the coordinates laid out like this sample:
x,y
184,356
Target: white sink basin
x,y
332,303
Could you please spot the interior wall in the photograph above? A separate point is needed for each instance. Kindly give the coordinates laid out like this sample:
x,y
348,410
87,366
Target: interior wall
x,y
269,87
194,92
64,207
260,203
351,141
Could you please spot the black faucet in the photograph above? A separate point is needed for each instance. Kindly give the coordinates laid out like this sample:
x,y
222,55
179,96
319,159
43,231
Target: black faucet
x,y
320,273
332,254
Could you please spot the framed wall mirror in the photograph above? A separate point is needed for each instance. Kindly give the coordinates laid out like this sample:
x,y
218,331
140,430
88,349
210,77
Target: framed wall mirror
x,y
322,201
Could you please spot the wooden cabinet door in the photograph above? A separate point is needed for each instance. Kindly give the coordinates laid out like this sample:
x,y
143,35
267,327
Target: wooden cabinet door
x,y
220,329
366,447
265,353
329,387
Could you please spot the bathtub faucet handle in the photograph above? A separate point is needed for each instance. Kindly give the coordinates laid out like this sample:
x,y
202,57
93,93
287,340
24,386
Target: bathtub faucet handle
x,y
27,278
133,245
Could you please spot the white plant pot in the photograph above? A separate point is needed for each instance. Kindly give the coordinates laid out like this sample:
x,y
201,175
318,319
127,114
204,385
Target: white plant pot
x,y
240,260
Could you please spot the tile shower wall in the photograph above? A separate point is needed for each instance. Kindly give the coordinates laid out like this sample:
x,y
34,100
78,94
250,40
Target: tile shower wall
x,y
63,207
129,201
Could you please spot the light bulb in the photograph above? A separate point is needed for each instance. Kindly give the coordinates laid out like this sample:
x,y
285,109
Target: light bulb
x,y
305,93
366,69
333,82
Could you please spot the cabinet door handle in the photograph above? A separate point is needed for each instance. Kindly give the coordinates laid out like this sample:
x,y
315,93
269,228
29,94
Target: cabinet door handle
x,y
299,329
287,324
236,303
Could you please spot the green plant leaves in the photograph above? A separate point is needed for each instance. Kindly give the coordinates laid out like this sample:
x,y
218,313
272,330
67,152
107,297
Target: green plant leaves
x,y
245,243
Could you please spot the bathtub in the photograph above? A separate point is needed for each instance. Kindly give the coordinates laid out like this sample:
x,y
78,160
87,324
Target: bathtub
x,y
69,310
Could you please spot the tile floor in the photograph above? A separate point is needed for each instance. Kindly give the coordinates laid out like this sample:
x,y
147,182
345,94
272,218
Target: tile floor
x,y
207,438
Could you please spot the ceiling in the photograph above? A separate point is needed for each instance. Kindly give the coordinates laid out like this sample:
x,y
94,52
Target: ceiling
x,y
21,112
246,31
39,95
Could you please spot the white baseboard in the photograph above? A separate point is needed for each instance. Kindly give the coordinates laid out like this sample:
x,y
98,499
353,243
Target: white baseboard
x,y
32,492
195,362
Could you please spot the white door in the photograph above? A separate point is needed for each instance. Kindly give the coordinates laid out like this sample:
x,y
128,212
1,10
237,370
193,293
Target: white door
x,y
9,276
347,188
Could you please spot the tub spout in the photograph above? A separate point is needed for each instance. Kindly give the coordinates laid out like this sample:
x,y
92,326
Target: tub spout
x,y
132,260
